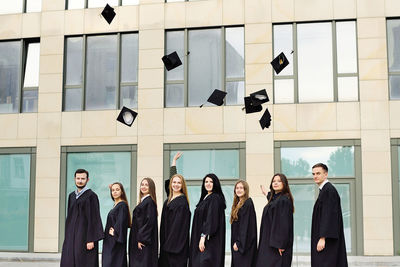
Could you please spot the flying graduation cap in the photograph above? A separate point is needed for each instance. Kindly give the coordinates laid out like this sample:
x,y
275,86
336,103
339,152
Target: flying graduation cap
x,y
216,98
171,61
259,97
108,13
265,120
127,116
279,63
249,107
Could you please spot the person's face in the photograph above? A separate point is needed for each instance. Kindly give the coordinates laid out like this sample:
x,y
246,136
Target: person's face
x,y
176,184
116,191
277,184
81,180
208,184
319,175
144,187
239,190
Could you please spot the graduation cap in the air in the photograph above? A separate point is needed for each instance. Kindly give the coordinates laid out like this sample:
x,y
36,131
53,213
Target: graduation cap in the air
x,y
216,98
279,63
108,13
259,97
249,107
127,116
171,61
265,120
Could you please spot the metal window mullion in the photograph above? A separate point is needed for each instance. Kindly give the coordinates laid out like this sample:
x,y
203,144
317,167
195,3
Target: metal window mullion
x,y
31,226
335,65
31,88
186,68
118,82
84,48
175,82
77,86
394,72
295,66
347,75
284,77
128,83
223,61
119,2
234,79
24,5
86,4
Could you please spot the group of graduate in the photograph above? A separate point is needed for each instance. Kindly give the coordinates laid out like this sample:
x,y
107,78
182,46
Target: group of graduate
x,y
205,246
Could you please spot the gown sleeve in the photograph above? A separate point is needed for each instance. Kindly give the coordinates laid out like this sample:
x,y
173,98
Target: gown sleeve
x,y
178,232
121,224
95,227
145,232
211,223
247,215
329,225
281,224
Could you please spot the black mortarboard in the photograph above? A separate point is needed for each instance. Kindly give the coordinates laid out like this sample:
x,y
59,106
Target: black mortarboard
x,y
259,97
108,13
250,108
171,61
279,63
265,120
216,98
127,116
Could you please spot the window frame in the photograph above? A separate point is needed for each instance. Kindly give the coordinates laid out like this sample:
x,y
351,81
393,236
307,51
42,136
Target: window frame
x,y
391,73
395,150
355,183
119,83
23,56
63,177
336,75
31,209
86,4
223,77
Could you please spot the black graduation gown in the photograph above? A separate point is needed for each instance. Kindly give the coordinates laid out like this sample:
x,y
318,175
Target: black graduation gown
x,y
327,222
244,234
174,233
276,232
114,247
83,225
209,219
144,230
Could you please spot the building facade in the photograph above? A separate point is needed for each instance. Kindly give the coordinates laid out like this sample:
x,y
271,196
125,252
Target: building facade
x,y
65,73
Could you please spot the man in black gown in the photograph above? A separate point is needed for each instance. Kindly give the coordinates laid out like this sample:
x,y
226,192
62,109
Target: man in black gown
x,y
83,227
328,246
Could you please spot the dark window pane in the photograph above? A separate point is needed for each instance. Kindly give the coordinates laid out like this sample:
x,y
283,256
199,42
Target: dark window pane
x,y
30,101
73,99
129,57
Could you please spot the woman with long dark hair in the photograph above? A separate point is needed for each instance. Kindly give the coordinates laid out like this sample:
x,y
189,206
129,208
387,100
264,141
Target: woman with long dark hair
x,y
143,237
207,245
275,246
115,234
244,227
175,224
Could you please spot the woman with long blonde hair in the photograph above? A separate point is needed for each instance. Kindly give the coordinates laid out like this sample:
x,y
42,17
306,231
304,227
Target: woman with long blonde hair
x,y
143,238
244,227
115,234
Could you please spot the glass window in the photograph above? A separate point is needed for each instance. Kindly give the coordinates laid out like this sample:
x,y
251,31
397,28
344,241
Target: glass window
x,y
15,184
224,161
115,58
79,4
323,67
18,6
33,5
393,43
212,59
296,161
16,75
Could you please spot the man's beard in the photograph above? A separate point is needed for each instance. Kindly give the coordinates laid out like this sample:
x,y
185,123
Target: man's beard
x,y
80,186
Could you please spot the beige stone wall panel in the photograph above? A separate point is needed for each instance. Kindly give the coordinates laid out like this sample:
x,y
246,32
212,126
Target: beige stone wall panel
x,y
151,16
74,21
51,64
151,39
258,73
71,124
372,48
344,9
376,162
370,8
203,13
9,123
52,23
151,58
373,69
46,228
150,146
392,8
175,15
305,10
257,11
394,114
27,126
128,18
206,120
374,115
258,53
93,141
284,119
378,207
317,135
233,12
258,33
253,124
52,45
375,140
204,138
371,180
371,27
95,23
46,245
259,164
52,5
47,168
234,119
99,123
174,121
48,148
149,166
378,228
374,90
282,10
31,23
316,117
11,26
151,78
50,102
260,143
150,122
348,116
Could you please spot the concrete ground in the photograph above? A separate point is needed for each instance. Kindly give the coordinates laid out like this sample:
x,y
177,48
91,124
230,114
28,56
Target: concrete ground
x,y
53,260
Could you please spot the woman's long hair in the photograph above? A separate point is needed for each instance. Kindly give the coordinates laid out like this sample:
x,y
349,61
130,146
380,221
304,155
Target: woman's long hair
x,y
285,190
123,198
152,190
183,189
216,188
237,201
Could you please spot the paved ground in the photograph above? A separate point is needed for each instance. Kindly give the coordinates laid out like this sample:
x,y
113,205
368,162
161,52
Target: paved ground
x,y
52,260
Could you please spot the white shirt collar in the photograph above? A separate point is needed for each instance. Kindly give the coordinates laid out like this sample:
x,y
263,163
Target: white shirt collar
x,y
144,197
323,183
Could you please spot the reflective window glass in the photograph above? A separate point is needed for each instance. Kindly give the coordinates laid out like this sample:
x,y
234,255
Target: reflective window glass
x,y
346,41
33,5
283,42
10,7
